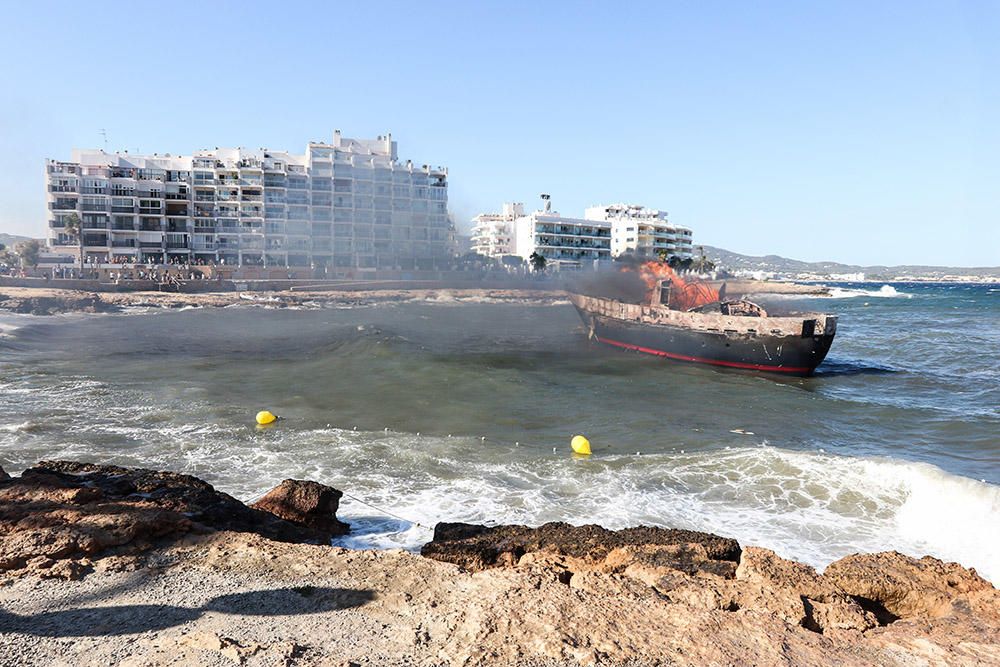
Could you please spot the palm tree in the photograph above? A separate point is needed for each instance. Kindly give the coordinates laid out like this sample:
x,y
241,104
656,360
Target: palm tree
x,y
703,264
72,227
538,262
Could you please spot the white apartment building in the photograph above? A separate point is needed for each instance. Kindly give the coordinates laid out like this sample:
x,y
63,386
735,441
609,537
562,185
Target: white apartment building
x,y
349,204
562,241
493,233
642,231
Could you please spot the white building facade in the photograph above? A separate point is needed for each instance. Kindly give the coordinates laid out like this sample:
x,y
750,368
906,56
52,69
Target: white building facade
x,y
562,241
348,204
641,231
493,233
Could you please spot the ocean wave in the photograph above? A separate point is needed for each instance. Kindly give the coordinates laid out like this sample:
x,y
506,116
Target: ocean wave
x,y
814,507
885,292
807,505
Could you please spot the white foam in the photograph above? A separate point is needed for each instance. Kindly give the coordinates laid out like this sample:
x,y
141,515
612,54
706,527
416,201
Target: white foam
x,y
810,506
807,506
886,292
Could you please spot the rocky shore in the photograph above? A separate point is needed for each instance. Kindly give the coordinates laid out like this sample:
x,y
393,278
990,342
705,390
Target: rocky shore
x,y
53,301
106,565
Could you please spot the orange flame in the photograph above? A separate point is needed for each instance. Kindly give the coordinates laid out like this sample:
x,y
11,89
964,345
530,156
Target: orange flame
x,y
684,295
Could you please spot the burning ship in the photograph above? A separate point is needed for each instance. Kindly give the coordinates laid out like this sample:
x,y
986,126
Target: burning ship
x,y
695,322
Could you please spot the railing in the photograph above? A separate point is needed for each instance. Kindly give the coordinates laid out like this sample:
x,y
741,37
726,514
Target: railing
x,y
177,195
123,209
62,205
63,188
94,207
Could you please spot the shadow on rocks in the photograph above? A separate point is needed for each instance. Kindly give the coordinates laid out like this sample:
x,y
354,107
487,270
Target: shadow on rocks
x,y
130,619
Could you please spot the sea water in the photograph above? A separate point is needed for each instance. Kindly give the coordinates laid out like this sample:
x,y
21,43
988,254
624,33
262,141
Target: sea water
x,y
463,411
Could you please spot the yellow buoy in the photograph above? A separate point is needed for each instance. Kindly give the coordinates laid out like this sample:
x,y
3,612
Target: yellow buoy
x,y
580,444
264,417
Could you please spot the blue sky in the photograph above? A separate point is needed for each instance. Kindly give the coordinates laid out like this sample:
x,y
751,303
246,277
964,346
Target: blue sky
x,y
852,131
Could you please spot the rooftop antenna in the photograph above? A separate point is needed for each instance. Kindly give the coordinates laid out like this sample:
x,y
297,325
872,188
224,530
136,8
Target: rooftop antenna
x,y
104,133
547,202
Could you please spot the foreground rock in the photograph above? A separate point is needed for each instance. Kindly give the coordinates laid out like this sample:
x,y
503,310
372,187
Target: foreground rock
x,y
307,504
57,514
506,595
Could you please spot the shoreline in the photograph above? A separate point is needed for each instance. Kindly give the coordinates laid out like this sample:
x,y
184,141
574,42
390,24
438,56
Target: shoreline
x,y
106,565
52,300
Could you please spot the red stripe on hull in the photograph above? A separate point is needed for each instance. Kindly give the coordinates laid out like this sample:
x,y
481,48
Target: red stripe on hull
x,y
703,360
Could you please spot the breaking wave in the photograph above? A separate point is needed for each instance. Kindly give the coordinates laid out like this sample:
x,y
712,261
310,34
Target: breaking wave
x,y
811,507
886,292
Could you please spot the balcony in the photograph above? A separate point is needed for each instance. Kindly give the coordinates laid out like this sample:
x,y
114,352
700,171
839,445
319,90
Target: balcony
x,y
126,243
204,229
103,206
148,210
150,244
72,189
63,205
203,245
177,195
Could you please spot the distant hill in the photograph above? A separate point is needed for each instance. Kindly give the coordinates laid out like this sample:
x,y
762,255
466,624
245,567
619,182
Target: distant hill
x,y
10,240
734,261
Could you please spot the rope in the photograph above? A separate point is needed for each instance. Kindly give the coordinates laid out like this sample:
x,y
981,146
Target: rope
x,y
386,512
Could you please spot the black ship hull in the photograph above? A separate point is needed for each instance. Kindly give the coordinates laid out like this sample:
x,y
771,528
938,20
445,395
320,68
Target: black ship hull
x,y
798,354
